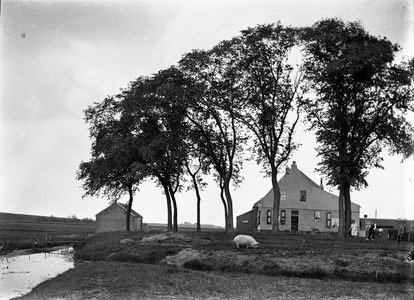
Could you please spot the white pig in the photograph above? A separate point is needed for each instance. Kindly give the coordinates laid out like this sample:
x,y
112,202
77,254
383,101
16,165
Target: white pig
x,y
245,240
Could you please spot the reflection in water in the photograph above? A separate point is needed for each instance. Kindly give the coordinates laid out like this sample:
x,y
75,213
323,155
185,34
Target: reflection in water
x,y
19,274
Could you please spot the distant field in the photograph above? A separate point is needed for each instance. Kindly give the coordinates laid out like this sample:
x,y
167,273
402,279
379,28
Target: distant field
x,y
47,226
23,234
20,231
181,227
35,218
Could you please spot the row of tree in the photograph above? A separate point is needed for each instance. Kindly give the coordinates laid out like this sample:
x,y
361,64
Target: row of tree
x,y
243,98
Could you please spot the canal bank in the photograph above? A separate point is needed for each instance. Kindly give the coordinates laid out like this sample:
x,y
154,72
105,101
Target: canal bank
x,y
21,271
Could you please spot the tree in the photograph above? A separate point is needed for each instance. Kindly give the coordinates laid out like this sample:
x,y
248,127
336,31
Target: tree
x,y
361,100
155,104
116,166
272,93
196,165
211,111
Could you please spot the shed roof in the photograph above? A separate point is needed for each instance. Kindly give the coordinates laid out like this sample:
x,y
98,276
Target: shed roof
x,y
133,212
124,207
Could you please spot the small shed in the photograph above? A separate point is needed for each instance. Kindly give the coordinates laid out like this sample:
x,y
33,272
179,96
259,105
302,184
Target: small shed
x,y
248,221
113,218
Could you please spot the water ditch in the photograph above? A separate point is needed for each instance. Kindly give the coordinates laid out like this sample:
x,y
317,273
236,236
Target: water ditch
x,y
21,273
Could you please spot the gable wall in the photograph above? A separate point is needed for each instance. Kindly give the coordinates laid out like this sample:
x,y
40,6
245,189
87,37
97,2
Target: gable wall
x,y
317,199
113,218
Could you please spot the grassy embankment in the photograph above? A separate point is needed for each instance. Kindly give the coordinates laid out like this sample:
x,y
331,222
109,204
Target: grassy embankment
x,y
288,266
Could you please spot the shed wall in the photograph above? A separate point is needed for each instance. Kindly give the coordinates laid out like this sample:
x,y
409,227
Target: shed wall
x,y
114,219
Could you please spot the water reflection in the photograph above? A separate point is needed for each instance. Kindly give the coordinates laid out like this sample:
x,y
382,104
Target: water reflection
x,y
21,273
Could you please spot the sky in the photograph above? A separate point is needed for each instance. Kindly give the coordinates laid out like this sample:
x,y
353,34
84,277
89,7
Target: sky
x,y
59,57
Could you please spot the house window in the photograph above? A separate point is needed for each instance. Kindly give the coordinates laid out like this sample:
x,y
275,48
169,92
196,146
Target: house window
x,y
245,221
335,222
269,217
282,217
295,212
328,219
302,195
317,216
283,196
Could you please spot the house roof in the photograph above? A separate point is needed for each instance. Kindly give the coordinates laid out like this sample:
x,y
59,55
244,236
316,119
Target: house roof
x,y
124,207
302,175
246,213
310,180
133,212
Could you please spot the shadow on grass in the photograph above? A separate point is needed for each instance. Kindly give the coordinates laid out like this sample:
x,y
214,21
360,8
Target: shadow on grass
x,y
311,273
197,265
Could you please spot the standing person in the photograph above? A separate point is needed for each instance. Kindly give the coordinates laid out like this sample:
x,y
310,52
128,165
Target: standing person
x,y
400,233
353,229
371,233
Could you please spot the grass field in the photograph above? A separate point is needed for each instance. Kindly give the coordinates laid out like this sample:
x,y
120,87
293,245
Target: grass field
x,y
17,234
286,266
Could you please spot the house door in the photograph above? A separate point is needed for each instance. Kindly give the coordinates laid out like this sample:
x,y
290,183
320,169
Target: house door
x,y
294,221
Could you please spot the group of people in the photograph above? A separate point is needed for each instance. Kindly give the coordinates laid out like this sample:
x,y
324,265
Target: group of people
x,y
353,231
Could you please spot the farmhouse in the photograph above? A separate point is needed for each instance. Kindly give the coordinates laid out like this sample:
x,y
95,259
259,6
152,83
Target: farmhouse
x,y
304,207
113,218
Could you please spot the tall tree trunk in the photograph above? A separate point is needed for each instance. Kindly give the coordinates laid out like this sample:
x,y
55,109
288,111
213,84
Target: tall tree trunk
x,y
230,229
169,211
129,207
198,202
276,202
341,209
174,202
348,208
223,200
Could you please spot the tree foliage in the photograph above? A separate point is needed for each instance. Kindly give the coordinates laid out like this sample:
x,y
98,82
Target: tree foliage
x,y
156,108
360,105
212,114
272,88
116,166
204,113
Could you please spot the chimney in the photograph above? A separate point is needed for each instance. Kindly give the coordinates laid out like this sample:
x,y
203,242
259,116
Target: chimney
x,y
321,184
294,165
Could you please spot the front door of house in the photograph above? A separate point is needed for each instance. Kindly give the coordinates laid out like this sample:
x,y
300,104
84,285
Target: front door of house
x,y
294,221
